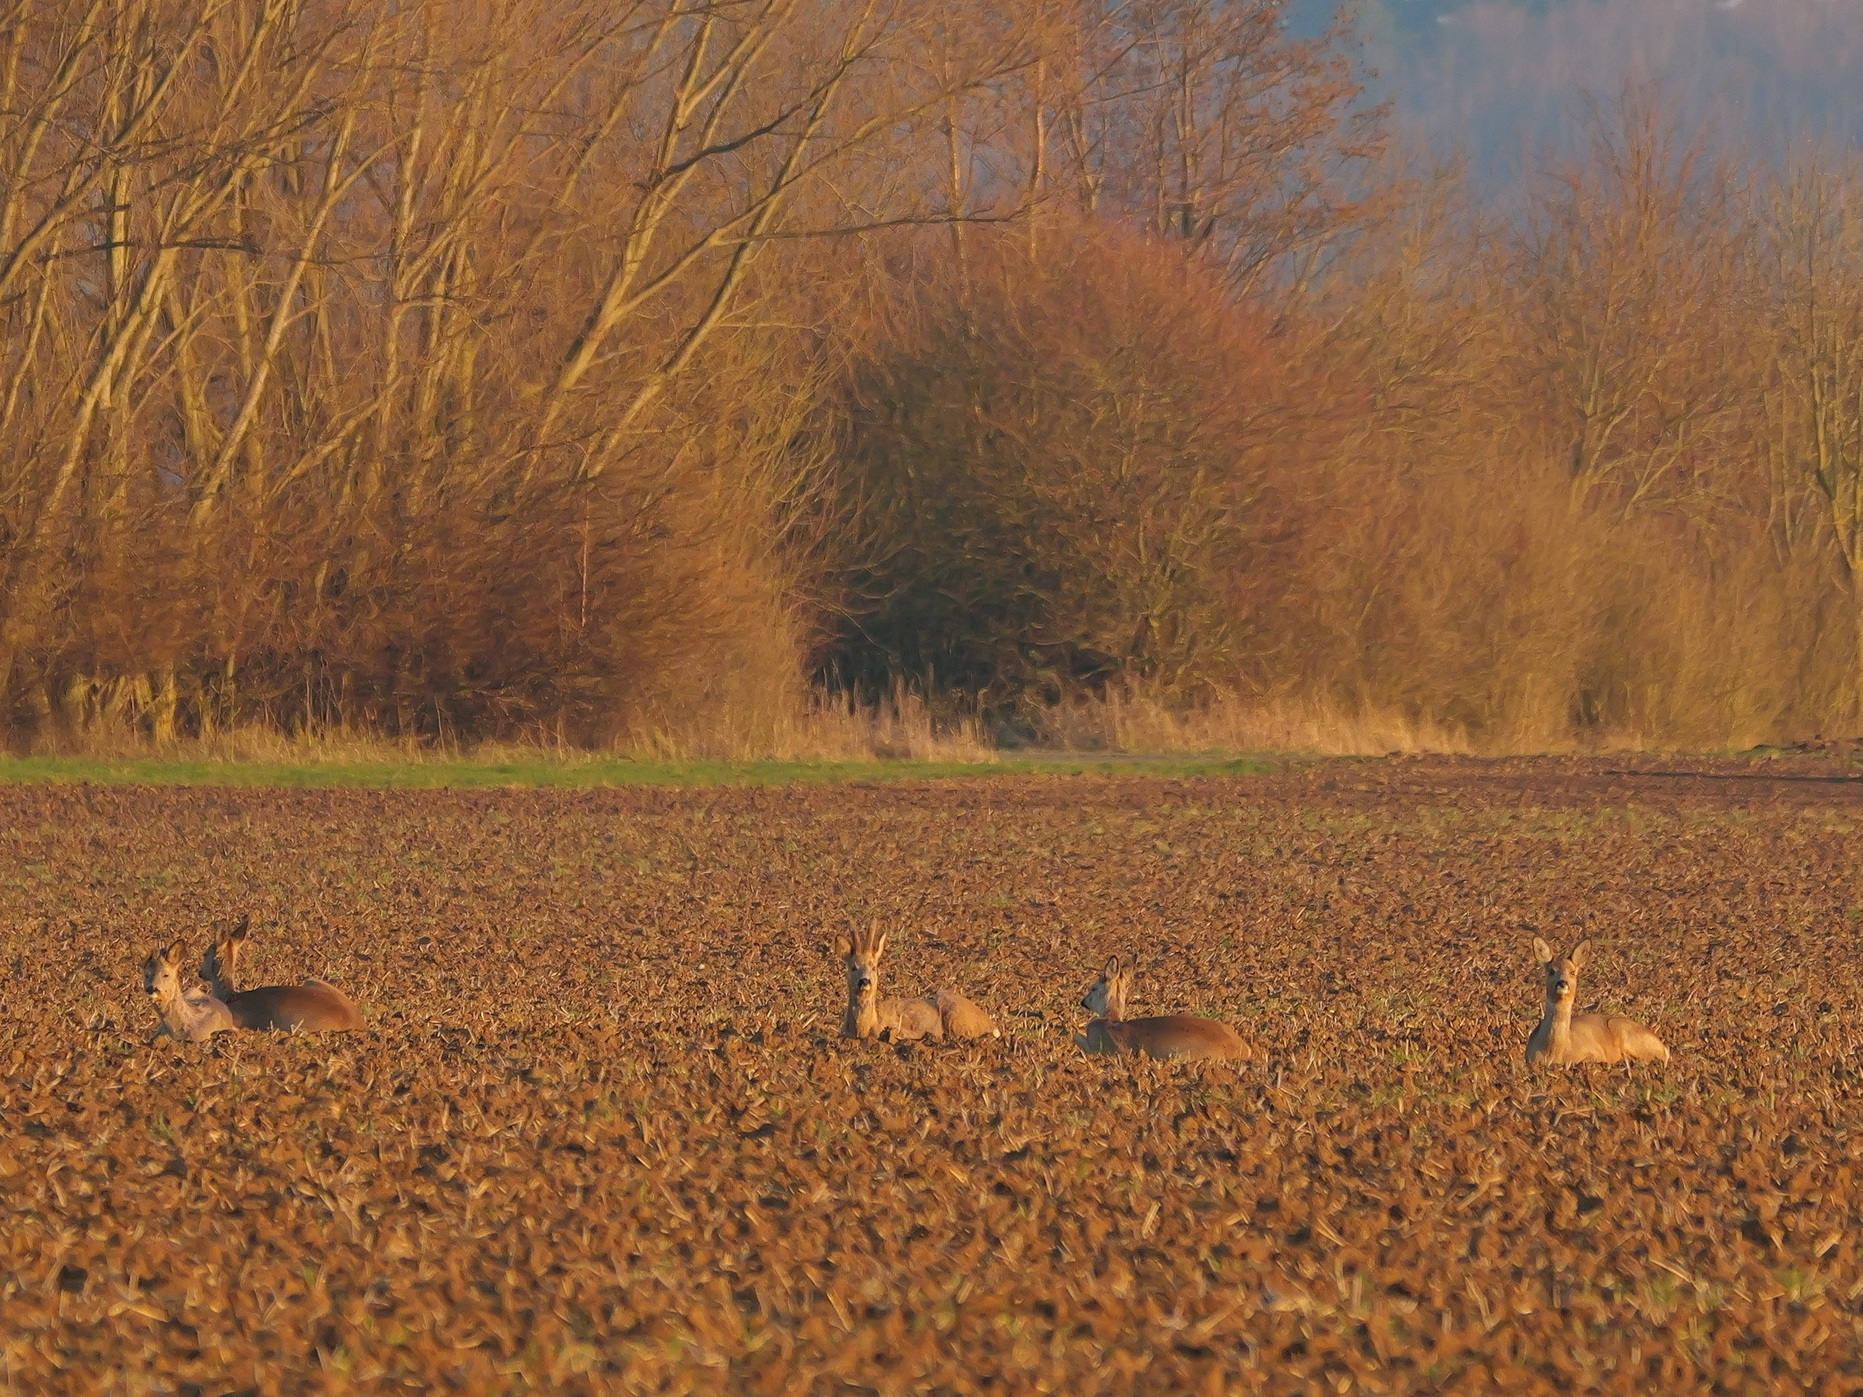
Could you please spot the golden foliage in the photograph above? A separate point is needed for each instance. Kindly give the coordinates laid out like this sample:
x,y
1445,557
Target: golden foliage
x,y
607,375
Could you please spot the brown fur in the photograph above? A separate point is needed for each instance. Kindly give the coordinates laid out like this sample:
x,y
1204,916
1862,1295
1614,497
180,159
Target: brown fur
x,y
316,1006
1168,1035
963,1019
947,1014
1564,1037
193,1014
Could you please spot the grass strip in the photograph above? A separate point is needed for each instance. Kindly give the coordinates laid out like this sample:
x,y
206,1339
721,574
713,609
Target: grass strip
x,y
593,772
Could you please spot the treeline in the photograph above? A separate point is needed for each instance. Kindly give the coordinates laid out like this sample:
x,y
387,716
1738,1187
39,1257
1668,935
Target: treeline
x,y
611,372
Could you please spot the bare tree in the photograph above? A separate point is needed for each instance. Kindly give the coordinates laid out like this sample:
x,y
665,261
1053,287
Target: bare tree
x,y
315,309
1816,405
1634,273
1208,122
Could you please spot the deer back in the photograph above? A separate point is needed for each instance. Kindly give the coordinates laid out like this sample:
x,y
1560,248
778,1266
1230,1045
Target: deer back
x,y
1170,1035
963,1019
906,1020
206,1016
1606,1038
313,1007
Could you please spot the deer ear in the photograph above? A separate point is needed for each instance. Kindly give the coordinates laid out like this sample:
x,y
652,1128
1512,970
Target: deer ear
x,y
1112,968
240,928
1542,950
844,946
879,946
1578,954
173,954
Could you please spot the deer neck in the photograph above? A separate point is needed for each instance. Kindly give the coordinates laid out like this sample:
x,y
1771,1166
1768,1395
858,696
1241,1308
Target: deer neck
x,y
178,1015
1115,1005
220,976
1557,1022
863,1017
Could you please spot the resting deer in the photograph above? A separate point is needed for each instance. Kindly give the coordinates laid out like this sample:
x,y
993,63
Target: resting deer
x,y
1170,1035
193,1014
947,1014
314,1006
1564,1037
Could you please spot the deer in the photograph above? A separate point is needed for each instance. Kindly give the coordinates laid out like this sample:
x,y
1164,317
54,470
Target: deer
x,y
313,1006
1169,1035
1564,1037
945,1014
193,1014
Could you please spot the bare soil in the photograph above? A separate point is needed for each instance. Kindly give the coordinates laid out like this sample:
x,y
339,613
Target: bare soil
x,y
601,1134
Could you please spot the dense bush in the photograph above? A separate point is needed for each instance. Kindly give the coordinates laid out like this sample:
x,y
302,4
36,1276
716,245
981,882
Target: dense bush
x,y
1058,461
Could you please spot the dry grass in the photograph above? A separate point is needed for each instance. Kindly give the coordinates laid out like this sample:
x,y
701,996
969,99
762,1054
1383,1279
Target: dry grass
x,y
1141,722
902,726
601,1135
827,727
820,727
1134,721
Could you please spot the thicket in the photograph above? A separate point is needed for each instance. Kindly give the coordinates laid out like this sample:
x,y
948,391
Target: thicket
x,y
629,373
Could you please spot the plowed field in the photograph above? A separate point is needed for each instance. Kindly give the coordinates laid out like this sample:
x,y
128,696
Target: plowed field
x,y
601,1134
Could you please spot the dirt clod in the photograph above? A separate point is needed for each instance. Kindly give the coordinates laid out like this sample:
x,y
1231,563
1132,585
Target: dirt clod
x,y
601,1134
